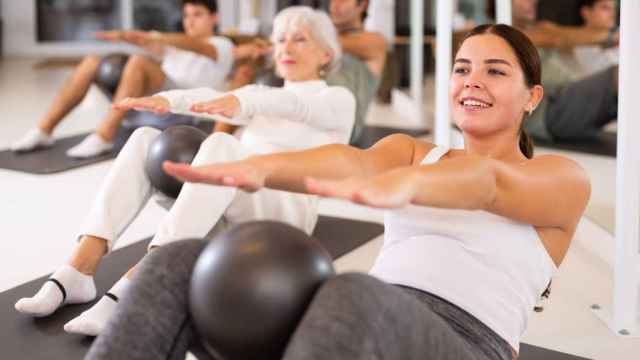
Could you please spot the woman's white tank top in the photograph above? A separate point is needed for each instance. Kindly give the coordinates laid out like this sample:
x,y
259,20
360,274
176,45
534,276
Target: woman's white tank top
x,y
490,266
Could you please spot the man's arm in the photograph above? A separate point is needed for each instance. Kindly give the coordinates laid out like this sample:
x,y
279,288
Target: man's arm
x,y
370,47
181,41
549,35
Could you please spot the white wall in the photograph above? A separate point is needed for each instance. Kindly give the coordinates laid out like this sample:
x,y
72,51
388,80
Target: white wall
x,y
19,32
19,35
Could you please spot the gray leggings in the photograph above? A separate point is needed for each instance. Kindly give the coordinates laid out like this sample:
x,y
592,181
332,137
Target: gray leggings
x,y
352,316
580,109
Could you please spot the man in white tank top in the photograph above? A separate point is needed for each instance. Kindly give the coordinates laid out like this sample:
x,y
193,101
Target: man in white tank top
x,y
197,58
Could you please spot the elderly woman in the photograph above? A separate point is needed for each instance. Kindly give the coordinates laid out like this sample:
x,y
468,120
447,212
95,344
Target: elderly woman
x,y
472,236
303,114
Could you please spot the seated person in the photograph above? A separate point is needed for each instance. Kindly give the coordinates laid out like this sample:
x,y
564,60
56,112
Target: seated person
x,y
196,58
365,54
577,106
597,14
472,236
305,113
363,59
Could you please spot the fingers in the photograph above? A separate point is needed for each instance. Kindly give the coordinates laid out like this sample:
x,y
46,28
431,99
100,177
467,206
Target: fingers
x,y
215,107
141,104
198,174
184,172
207,107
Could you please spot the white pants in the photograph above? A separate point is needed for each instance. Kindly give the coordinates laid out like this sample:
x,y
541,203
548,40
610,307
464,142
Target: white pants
x,y
199,207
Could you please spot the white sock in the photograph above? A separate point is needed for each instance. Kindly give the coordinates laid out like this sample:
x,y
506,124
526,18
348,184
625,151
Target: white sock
x,y
78,288
93,321
91,146
33,139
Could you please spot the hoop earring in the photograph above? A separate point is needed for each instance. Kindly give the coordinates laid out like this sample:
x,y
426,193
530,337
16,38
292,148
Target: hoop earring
x,y
530,111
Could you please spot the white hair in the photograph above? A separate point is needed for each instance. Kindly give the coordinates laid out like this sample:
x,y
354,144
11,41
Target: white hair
x,y
319,25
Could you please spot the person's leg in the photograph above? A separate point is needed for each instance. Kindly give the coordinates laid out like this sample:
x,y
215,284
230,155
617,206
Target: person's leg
x,y
123,194
71,94
152,320
368,319
139,77
579,110
199,207
186,219
298,210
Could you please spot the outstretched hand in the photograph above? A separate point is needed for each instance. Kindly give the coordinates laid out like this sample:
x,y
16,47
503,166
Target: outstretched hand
x,y
113,35
227,105
156,104
393,189
240,174
140,38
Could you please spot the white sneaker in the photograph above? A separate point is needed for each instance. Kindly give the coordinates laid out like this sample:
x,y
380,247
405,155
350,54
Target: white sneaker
x,y
33,139
91,146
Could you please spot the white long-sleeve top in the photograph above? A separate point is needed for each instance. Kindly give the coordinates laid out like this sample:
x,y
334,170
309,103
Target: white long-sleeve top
x,y
298,116
187,69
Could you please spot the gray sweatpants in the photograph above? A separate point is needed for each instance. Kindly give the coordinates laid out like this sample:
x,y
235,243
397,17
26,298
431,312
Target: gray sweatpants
x,y
580,109
352,316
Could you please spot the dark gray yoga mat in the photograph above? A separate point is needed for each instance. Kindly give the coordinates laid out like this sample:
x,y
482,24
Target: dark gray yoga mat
x,y
53,159
24,337
50,160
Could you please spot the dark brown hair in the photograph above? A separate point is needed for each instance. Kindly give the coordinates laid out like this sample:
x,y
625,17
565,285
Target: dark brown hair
x,y
528,59
212,5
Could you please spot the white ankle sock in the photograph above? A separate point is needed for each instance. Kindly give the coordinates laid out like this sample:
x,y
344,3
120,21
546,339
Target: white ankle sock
x,y
33,139
78,288
91,146
93,321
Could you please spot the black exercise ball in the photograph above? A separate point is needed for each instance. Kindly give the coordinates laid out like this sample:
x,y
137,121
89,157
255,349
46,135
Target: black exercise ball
x,y
252,284
178,144
110,71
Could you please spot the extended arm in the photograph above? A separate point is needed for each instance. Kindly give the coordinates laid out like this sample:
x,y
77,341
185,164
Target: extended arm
x,y
549,191
332,108
146,38
287,171
549,35
370,47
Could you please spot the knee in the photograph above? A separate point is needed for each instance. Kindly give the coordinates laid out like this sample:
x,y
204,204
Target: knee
x,y
218,146
179,254
217,142
140,141
144,134
350,288
90,63
92,59
217,139
135,63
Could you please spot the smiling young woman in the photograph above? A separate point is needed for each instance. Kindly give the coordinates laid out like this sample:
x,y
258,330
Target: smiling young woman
x,y
472,236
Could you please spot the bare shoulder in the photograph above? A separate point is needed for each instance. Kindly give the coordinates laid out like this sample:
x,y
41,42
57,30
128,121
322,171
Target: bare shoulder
x,y
406,149
556,162
374,35
561,171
